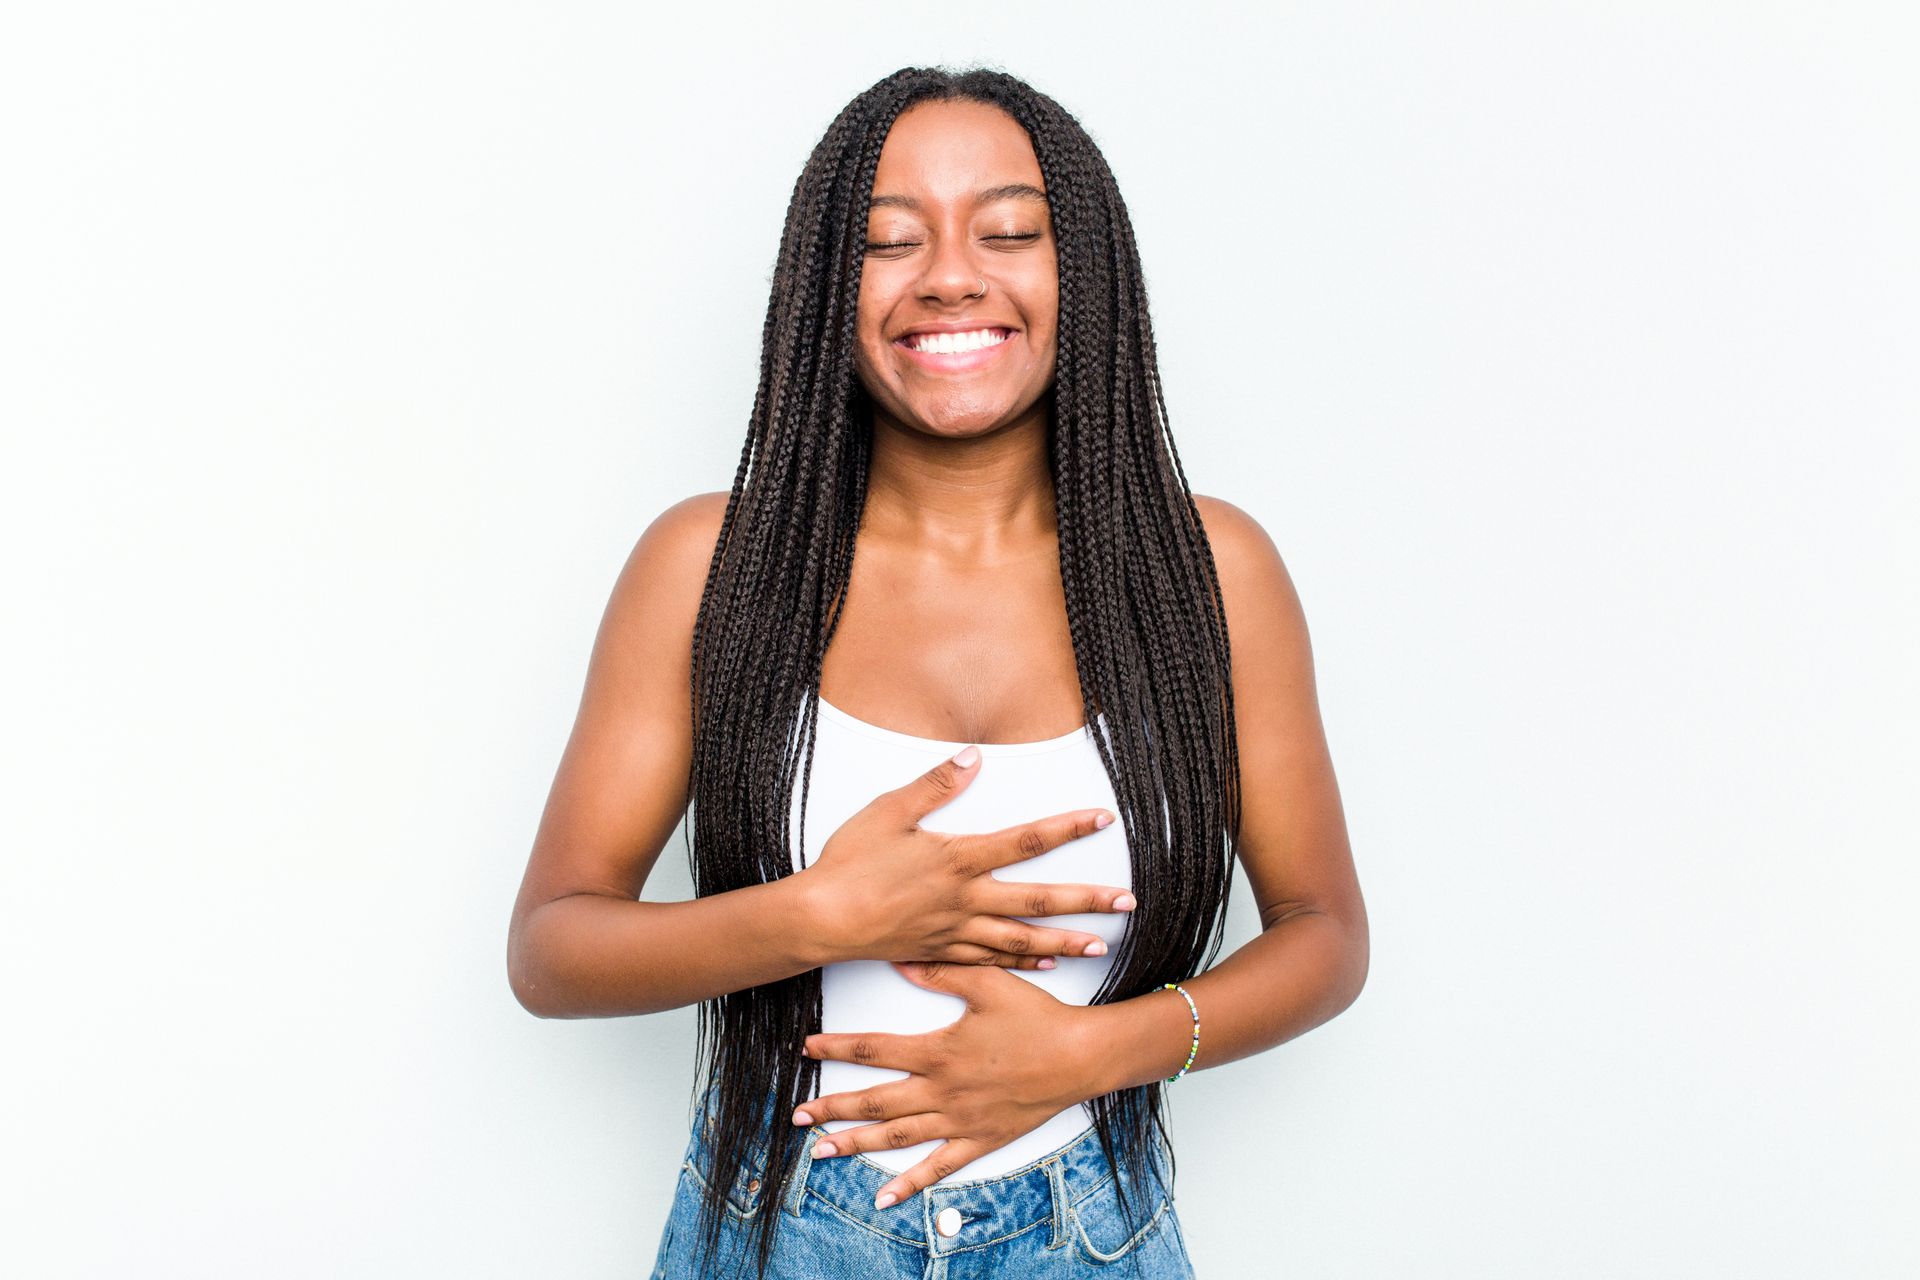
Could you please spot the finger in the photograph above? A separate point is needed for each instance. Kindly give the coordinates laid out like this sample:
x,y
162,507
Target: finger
x,y
1019,939
876,1102
871,1048
1027,840
888,1135
1014,898
973,953
946,1158
976,984
936,787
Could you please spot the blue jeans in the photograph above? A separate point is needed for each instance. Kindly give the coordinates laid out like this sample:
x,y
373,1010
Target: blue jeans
x,y
1057,1217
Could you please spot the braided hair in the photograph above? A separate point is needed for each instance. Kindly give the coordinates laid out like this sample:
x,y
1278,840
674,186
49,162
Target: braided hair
x,y
1142,599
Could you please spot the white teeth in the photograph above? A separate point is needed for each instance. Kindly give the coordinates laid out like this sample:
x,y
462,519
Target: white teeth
x,y
950,343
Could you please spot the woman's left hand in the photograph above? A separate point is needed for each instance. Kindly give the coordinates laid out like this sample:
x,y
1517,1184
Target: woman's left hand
x,y
1015,1058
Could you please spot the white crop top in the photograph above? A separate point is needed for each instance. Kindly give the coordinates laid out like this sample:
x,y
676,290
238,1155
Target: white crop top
x,y
854,762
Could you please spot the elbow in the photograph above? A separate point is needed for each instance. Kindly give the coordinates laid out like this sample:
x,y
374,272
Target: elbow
x,y
526,992
1354,962
1342,952
525,977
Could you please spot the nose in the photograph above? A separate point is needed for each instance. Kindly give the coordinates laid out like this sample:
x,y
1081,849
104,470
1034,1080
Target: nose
x,y
952,273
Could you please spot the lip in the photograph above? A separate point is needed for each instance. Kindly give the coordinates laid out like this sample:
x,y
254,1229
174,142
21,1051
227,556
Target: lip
x,y
955,361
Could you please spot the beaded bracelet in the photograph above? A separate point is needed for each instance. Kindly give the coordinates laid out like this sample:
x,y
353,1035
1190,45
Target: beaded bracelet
x,y
1193,1052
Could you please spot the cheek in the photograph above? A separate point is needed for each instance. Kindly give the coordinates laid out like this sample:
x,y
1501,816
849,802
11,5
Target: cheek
x,y
871,308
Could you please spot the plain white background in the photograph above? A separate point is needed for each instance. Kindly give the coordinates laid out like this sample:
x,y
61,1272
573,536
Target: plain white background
x,y
1567,353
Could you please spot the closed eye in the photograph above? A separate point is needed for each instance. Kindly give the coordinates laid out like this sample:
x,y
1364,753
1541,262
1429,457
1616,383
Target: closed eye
x,y
908,244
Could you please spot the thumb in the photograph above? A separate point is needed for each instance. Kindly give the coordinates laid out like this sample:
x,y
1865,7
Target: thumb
x,y
940,784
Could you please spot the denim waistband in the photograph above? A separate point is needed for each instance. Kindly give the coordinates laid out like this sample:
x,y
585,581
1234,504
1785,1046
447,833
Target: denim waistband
x,y
1037,1195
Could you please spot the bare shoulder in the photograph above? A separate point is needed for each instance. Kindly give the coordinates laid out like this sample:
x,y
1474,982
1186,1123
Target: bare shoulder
x,y
642,657
682,535
1254,582
666,571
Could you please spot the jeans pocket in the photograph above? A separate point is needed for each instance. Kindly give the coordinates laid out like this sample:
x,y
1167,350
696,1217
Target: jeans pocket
x,y
1102,1234
743,1196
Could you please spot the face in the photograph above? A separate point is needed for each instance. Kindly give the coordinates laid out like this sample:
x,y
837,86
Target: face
x,y
960,287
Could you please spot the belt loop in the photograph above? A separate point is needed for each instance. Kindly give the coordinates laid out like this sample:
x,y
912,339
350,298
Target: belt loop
x,y
1057,1180
797,1184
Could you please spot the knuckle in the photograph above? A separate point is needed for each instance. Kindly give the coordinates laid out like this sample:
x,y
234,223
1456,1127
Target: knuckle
x,y
941,1167
897,1136
1039,903
871,1109
863,1050
960,861
1018,942
1030,843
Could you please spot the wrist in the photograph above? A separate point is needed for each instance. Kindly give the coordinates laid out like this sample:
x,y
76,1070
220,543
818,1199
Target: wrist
x,y
1137,1041
809,920
1098,1034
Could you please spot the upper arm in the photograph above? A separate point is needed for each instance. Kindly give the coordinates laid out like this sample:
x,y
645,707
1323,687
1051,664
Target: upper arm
x,y
1293,831
621,787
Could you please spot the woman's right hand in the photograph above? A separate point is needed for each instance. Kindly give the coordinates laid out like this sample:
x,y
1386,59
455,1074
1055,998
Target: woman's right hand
x,y
884,888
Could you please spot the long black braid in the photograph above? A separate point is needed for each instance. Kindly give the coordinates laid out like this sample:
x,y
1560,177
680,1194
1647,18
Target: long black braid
x,y
1142,597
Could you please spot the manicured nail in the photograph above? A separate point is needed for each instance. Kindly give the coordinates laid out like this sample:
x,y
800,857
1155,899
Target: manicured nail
x,y
825,1149
1046,962
1103,819
1095,948
1125,902
966,758
801,1117
884,1199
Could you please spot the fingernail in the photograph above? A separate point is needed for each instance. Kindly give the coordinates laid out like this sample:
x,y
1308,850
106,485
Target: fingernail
x,y
801,1117
884,1199
1095,948
1125,902
966,757
1046,962
825,1149
1103,819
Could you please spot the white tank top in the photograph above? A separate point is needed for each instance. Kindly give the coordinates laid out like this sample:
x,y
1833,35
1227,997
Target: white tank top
x,y
855,761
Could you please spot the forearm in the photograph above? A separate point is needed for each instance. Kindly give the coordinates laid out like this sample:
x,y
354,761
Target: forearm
x,y
1298,973
594,956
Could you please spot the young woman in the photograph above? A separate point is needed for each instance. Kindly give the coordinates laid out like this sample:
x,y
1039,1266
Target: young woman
x,y
945,679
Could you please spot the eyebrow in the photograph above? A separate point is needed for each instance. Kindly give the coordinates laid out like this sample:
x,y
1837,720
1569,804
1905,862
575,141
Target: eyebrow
x,y
986,195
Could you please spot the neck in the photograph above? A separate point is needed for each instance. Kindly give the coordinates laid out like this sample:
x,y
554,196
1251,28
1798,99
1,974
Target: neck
x,y
978,500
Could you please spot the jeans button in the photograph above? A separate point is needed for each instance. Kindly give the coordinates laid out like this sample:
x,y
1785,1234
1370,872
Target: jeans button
x,y
948,1223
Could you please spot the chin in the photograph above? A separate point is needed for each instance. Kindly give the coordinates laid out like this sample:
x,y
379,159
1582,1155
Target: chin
x,y
964,423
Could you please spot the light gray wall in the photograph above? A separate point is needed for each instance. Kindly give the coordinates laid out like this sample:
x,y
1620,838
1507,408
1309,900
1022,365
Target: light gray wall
x,y
1565,351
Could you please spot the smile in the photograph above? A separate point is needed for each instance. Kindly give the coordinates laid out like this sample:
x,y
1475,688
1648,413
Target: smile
x,y
955,352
